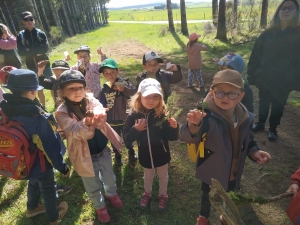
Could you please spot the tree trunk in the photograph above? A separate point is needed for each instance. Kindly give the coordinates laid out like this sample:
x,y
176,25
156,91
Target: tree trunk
x,y
235,13
184,27
264,14
11,20
69,13
54,14
67,21
105,14
44,16
215,11
170,16
221,30
102,12
37,16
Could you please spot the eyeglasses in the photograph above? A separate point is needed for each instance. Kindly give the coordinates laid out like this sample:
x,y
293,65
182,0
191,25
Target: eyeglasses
x,y
28,19
75,89
231,95
288,8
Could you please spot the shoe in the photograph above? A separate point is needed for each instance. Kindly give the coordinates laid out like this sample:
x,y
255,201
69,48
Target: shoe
x,y
272,134
222,220
115,201
202,221
103,215
163,202
62,210
191,86
61,189
258,126
38,210
145,201
118,160
132,158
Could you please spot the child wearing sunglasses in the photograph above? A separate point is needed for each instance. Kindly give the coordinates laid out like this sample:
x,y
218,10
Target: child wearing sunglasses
x,y
229,122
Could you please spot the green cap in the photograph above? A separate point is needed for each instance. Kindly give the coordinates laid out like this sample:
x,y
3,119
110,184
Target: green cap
x,y
109,63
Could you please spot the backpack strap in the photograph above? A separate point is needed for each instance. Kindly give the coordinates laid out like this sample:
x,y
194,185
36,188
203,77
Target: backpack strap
x,y
203,130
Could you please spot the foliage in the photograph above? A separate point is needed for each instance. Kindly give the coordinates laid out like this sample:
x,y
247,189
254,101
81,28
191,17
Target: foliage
x,y
56,33
173,110
238,197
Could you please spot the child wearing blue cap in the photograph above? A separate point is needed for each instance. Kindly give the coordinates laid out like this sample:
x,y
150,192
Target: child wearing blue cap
x,y
236,62
21,106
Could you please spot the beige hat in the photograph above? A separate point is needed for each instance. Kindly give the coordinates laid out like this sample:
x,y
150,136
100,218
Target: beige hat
x,y
228,77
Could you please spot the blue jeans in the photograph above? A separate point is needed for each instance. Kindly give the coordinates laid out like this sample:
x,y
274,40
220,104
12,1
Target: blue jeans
x,y
103,175
44,186
191,74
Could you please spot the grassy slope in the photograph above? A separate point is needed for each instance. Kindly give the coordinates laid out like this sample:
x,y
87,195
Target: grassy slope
x,y
184,190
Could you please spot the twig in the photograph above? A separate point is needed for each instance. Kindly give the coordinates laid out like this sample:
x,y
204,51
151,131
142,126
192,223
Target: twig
x,y
265,174
278,197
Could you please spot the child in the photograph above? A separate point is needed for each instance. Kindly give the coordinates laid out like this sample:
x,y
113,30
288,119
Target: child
x,y
20,106
229,123
87,132
236,62
114,96
4,77
89,70
151,63
51,83
193,49
147,124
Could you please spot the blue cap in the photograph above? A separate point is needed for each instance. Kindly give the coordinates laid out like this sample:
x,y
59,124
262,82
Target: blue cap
x,y
23,80
235,61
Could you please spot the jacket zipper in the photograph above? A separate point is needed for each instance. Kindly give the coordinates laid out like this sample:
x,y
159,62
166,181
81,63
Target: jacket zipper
x,y
163,146
148,137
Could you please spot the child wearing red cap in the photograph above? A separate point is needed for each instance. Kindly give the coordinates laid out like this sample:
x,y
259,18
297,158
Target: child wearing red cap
x,y
193,49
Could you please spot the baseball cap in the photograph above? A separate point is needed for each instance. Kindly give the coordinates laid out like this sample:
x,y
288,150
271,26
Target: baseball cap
x,y
70,76
148,56
26,14
194,36
4,72
235,61
23,80
228,77
60,64
150,86
110,63
83,48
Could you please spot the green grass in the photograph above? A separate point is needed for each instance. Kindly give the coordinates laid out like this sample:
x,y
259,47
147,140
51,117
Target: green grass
x,y
183,189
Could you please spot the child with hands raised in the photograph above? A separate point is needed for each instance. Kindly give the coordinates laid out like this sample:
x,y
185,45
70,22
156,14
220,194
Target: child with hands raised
x,y
148,125
83,120
228,137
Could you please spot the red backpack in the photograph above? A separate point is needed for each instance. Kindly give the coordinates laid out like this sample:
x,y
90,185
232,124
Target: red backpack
x,y
15,157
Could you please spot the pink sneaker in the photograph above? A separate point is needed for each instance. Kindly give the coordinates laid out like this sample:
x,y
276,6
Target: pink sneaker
x,y
103,215
115,201
202,221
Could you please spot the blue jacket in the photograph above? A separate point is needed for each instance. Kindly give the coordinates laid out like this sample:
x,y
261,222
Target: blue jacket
x,y
42,131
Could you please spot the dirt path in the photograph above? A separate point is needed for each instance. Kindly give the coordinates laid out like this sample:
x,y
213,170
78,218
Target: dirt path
x,y
285,151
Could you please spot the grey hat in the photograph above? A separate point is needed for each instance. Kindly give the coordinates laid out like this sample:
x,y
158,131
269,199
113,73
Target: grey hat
x,y
150,56
83,48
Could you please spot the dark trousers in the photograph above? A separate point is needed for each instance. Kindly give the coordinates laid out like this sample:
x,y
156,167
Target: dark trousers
x,y
277,106
119,130
205,203
248,98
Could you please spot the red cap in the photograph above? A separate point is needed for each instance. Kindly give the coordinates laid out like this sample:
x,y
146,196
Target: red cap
x,y
4,72
194,36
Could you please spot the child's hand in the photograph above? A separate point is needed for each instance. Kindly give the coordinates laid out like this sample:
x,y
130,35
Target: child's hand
x,y
260,156
173,68
195,116
99,119
41,67
294,188
67,58
173,123
119,88
99,51
216,60
140,124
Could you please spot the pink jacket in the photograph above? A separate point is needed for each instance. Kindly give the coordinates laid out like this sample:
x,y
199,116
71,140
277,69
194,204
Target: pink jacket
x,y
92,78
194,55
78,133
8,44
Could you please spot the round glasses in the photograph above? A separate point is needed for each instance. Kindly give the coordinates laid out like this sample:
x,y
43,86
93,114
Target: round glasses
x,y
231,95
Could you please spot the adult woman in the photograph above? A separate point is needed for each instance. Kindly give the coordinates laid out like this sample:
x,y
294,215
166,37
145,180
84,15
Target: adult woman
x,y
274,65
8,44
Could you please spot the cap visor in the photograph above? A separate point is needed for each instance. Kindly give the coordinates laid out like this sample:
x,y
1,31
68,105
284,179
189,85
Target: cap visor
x,y
20,89
63,68
150,92
106,66
226,83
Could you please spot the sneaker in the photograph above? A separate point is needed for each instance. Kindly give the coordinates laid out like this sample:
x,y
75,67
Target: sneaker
x,y
62,210
145,201
222,220
61,189
202,221
38,210
163,202
103,215
272,134
132,158
191,86
118,160
258,126
115,201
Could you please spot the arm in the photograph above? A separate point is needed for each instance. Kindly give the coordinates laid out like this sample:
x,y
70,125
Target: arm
x,y
175,76
21,48
9,43
129,90
130,134
202,47
295,187
43,47
47,83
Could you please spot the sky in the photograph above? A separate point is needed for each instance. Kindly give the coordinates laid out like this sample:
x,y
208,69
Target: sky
x,y
119,3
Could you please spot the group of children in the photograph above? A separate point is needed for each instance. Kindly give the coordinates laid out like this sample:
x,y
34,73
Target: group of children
x,y
88,116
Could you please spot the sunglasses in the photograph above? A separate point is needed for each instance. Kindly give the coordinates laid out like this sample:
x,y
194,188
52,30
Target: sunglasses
x,y
28,19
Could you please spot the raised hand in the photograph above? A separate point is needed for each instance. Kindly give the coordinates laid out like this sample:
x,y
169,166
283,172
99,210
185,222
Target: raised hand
x,y
140,124
195,116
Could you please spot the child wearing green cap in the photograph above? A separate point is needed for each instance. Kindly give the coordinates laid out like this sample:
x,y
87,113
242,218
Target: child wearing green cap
x,y
115,94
